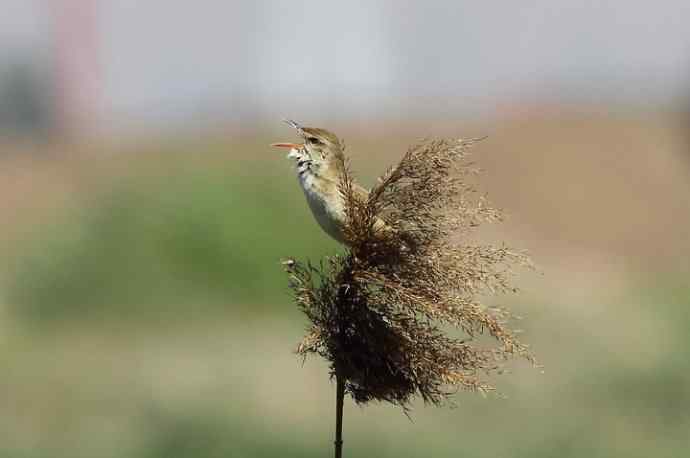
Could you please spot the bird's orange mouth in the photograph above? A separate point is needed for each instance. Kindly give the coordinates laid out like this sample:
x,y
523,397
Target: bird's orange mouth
x,y
297,146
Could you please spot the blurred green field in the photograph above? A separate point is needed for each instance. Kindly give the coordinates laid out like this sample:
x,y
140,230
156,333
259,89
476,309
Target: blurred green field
x,y
186,235
231,387
146,315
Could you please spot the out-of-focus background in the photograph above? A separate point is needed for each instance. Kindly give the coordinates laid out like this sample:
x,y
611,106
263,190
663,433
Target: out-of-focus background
x,y
143,311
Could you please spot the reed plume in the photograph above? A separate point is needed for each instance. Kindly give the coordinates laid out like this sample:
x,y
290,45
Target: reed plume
x,y
377,313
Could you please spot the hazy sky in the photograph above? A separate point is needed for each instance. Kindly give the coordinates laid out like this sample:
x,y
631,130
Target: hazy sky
x,y
163,60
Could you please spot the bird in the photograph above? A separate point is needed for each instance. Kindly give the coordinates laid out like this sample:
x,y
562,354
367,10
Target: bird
x,y
320,167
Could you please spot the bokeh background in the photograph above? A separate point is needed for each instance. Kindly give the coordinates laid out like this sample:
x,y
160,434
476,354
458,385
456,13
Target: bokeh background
x,y
143,310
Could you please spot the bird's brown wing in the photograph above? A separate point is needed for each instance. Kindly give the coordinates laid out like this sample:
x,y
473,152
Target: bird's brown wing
x,y
362,194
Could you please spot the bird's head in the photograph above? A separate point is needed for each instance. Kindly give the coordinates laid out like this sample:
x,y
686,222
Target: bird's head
x,y
321,151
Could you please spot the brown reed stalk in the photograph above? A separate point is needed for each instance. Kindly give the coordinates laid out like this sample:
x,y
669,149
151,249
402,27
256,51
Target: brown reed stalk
x,y
376,312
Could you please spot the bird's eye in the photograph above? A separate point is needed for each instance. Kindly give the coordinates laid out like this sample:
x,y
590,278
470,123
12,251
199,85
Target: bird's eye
x,y
314,140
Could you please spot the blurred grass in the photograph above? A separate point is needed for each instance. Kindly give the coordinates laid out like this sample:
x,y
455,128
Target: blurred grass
x,y
616,385
190,235
233,389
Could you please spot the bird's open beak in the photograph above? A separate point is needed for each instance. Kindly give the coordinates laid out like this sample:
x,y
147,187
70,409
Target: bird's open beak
x,y
297,146
288,145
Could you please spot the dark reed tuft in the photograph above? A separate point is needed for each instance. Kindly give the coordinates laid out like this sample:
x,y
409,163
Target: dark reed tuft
x,y
377,312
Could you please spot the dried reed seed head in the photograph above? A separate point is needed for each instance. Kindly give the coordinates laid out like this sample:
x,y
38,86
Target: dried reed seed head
x,y
375,313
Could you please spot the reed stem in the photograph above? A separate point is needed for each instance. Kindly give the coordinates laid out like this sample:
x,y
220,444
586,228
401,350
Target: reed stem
x,y
339,397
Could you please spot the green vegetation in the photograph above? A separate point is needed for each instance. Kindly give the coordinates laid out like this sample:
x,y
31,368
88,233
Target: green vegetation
x,y
199,236
234,389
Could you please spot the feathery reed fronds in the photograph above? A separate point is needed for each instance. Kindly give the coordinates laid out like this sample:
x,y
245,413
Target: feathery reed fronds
x,y
377,312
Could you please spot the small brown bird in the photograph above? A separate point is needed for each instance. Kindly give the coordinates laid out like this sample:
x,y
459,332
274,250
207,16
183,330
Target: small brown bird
x,y
320,167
